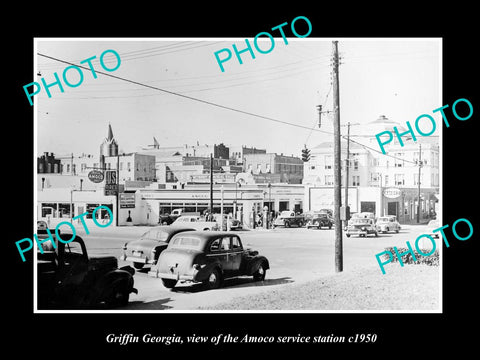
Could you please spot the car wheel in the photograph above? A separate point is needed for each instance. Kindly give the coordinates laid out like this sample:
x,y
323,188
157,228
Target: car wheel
x,y
300,224
214,280
376,234
329,226
138,265
259,275
287,224
169,283
396,231
317,224
118,296
384,231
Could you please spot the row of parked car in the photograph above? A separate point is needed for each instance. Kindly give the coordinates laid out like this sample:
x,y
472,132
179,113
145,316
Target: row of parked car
x,y
365,223
361,224
69,278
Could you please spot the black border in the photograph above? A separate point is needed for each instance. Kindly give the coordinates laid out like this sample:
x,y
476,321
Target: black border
x,y
84,334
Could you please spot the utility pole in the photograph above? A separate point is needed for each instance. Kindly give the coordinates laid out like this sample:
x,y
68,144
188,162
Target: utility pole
x,y
211,183
347,168
118,190
419,171
337,177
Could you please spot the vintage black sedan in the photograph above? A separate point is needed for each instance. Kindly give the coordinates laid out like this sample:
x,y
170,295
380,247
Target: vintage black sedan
x,y
147,249
208,258
68,278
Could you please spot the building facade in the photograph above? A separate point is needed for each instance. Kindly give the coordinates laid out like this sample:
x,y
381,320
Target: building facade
x,y
383,184
290,168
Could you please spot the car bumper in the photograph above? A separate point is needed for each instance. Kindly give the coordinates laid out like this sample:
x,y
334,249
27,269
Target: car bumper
x,y
359,232
175,276
137,259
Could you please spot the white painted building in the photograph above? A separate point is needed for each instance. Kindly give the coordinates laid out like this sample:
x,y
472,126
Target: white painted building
x,y
371,173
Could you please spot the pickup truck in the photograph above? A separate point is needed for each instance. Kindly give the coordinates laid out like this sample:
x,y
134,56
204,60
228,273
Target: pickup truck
x,y
167,219
69,279
288,218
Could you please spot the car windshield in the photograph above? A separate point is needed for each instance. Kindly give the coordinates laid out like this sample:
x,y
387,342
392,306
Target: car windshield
x,y
186,242
383,219
73,248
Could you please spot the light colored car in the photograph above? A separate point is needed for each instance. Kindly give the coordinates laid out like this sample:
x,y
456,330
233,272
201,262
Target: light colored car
x,y
147,249
196,222
388,223
228,222
361,227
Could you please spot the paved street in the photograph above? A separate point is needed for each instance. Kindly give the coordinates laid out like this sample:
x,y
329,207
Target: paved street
x,y
296,255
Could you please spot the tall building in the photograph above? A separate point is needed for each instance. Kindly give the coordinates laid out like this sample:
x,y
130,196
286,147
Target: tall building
x,y
109,146
47,164
383,184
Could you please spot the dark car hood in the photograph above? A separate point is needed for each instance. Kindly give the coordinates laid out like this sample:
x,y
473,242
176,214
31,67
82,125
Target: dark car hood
x,y
102,263
145,245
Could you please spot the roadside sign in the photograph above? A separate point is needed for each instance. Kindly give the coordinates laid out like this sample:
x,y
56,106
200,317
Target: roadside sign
x,y
111,186
96,176
127,200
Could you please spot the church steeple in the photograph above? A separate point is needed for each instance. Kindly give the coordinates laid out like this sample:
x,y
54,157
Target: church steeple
x,y
109,147
110,133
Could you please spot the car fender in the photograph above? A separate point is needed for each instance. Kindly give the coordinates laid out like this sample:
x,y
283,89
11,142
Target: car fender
x,y
123,275
254,263
206,269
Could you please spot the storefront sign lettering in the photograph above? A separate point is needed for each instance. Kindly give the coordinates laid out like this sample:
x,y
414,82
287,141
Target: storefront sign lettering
x,y
392,193
95,176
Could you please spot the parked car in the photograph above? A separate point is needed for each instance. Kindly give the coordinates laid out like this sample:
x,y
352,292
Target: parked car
x,y
227,222
433,225
361,227
167,219
147,249
328,212
288,218
388,223
208,258
196,222
320,220
69,278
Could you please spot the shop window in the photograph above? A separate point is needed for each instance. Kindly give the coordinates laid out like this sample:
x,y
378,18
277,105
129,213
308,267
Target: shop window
x,y
49,209
64,211
90,208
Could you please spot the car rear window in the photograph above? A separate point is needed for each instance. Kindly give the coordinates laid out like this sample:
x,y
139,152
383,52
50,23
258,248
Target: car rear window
x,y
155,235
185,241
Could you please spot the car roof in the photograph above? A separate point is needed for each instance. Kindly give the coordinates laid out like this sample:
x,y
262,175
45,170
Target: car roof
x,y
209,234
170,229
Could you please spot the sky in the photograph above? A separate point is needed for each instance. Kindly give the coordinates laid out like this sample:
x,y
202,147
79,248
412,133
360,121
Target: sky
x,y
398,78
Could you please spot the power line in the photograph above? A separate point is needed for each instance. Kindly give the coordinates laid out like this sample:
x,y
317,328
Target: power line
x,y
218,105
183,96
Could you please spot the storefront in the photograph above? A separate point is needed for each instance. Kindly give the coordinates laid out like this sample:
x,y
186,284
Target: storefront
x,y
62,204
402,202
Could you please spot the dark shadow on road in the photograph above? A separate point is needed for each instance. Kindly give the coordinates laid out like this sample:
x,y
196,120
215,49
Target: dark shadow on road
x,y
151,305
234,282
